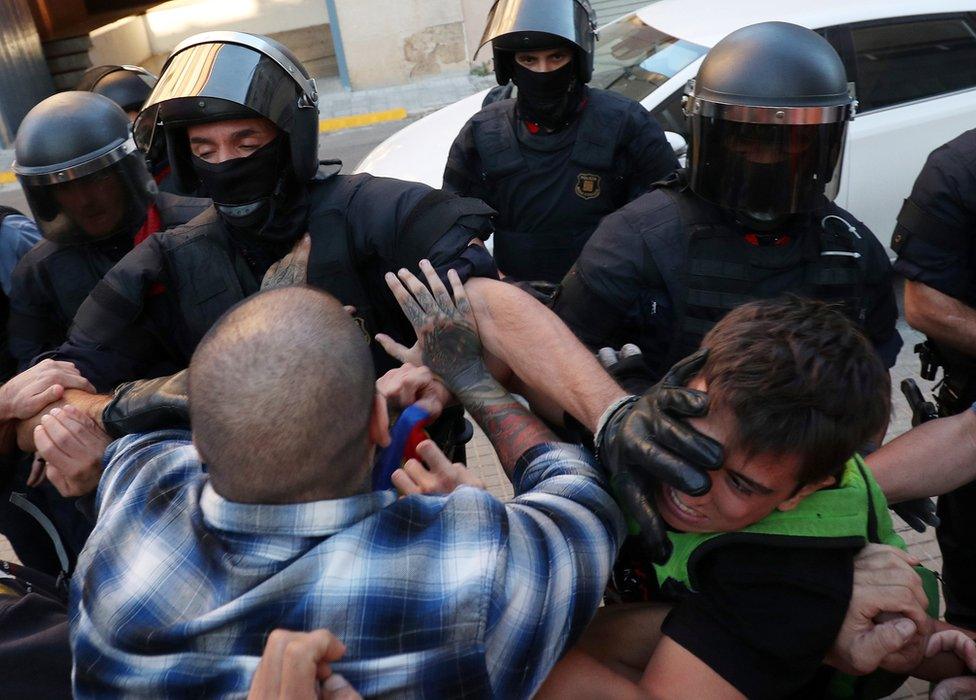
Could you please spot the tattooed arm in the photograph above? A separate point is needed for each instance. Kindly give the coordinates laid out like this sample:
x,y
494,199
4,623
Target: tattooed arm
x,y
448,338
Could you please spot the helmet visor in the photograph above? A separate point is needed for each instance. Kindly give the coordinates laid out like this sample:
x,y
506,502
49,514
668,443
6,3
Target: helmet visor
x,y
214,81
766,170
96,205
514,24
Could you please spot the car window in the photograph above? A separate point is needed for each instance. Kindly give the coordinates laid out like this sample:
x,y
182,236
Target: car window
x,y
634,59
909,60
670,115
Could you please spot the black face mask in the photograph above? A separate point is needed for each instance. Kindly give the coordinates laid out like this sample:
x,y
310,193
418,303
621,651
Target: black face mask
x,y
244,189
549,99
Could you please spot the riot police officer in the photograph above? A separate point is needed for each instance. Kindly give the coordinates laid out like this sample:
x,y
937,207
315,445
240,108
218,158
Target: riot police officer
x,y
751,218
240,117
936,248
127,86
561,155
94,200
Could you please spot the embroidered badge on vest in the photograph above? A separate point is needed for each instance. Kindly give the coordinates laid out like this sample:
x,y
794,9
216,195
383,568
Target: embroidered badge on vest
x,y
588,186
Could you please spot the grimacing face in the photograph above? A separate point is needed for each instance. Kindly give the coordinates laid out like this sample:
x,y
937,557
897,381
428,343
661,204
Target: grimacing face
x,y
744,491
544,61
96,203
216,142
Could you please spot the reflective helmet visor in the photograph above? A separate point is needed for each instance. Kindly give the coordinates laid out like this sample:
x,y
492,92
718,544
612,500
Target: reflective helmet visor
x,y
766,170
86,204
512,23
213,81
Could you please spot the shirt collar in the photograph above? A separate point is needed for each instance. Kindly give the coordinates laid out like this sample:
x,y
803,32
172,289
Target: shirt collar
x,y
313,519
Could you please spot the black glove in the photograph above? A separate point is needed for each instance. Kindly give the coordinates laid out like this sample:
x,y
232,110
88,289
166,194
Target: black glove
x,y
148,404
644,442
918,513
627,367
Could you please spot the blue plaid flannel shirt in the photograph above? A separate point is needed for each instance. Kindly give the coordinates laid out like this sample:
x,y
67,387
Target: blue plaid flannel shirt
x,y
435,596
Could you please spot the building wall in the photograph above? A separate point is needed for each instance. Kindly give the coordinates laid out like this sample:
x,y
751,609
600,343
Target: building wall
x,y
391,43
125,41
24,80
475,17
170,23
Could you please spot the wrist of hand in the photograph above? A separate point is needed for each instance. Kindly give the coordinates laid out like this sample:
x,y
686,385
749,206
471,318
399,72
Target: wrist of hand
x,y
608,421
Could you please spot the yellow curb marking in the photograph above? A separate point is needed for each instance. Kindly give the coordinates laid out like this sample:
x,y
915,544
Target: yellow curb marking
x,y
357,120
7,178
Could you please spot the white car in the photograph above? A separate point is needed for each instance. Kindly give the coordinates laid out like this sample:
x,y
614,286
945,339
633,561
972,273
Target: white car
x,y
912,62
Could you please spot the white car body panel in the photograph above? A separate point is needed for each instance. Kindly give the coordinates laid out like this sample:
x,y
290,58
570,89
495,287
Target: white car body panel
x,y
885,148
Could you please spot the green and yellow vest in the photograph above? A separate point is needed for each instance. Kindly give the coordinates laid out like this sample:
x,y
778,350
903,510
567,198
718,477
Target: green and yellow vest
x,y
849,516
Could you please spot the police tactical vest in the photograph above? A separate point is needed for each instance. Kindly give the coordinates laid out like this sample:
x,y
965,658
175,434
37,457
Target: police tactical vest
x,y
848,516
591,185
826,261
210,275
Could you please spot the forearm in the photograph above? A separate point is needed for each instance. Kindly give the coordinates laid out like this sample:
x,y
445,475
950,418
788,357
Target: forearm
x,y
91,405
510,427
930,460
941,317
944,664
541,351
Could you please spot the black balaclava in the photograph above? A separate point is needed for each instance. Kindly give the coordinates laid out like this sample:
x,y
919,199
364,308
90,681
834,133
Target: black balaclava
x,y
549,99
247,191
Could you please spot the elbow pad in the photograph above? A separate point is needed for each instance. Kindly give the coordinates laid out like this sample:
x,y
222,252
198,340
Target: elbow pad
x,y
148,404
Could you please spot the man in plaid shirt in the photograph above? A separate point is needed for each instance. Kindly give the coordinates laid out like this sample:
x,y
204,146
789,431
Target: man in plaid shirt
x,y
191,566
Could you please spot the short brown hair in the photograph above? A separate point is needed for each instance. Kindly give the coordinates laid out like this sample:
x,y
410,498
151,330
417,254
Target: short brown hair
x,y
799,379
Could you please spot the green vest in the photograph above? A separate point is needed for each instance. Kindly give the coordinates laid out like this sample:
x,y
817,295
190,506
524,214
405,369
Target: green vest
x,y
848,516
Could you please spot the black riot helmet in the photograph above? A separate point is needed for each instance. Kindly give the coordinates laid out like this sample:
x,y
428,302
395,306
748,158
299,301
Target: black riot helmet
x,y
127,86
80,169
768,114
223,75
535,25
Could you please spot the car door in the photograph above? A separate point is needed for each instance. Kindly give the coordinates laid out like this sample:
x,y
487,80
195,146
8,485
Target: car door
x,y
915,81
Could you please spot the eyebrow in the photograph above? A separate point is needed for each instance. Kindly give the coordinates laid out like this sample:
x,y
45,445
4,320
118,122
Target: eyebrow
x,y
752,483
239,134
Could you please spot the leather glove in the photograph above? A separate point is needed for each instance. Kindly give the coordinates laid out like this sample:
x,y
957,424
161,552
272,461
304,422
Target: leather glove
x,y
918,513
642,442
148,404
627,367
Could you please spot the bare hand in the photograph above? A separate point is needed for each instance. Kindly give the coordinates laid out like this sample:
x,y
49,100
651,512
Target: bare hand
x,y
408,385
886,623
962,688
440,476
30,391
445,327
72,445
955,642
295,665
291,269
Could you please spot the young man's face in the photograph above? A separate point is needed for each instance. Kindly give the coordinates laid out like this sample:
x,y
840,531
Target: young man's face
x,y
744,491
216,142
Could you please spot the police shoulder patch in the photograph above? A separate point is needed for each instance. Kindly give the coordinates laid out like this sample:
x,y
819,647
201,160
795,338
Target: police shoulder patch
x,y
588,186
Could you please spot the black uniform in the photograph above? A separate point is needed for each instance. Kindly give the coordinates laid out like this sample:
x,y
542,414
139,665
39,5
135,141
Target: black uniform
x,y
552,189
53,279
665,268
147,315
936,245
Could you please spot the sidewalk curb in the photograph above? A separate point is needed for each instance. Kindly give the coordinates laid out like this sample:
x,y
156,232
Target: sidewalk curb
x,y
326,126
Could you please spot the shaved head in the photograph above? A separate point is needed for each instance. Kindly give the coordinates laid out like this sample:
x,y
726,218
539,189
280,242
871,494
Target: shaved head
x,y
281,394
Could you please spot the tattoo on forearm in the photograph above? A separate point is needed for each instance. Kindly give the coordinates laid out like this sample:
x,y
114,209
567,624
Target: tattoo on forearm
x,y
511,428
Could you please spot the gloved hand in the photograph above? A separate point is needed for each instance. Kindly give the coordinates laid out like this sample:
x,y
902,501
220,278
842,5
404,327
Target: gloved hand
x,y
627,367
644,442
148,404
918,513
